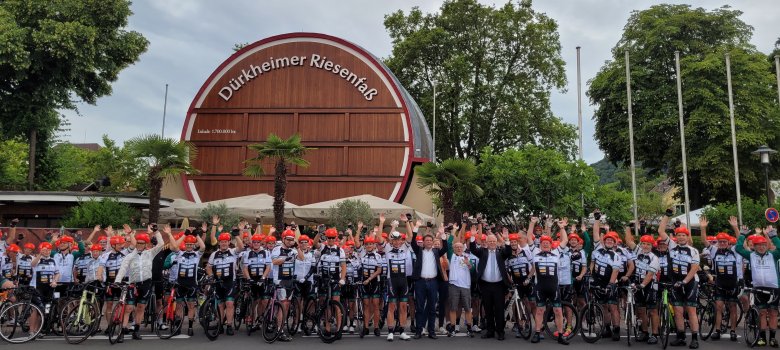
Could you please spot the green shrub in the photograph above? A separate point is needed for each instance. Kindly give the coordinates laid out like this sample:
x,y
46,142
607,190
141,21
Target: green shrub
x,y
350,211
104,212
227,219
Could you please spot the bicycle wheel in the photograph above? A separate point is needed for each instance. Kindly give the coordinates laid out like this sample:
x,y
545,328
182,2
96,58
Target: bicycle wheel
x,y
752,329
330,321
666,324
271,328
150,315
568,325
592,323
115,325
170,315
630,319
77,325
210,319
525,325
291,321
241,308
22,322
309,322
359,325
707,320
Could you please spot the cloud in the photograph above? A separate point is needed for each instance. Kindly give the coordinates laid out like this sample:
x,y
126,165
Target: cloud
x,y
189,39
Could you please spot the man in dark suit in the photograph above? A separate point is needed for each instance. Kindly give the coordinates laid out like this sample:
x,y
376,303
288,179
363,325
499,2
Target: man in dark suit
x,y
493,281
427,274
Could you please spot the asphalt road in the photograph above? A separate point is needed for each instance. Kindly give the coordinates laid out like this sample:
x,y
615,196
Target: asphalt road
x,y
348,342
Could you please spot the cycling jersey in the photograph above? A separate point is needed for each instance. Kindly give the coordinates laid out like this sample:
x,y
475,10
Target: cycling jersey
x,y
86,268
604,261
519,264
24,270
399,262
682,260
564,268
44,272
547,266
579,261
8,267
728,268
223,264
643,264
186,271
625,256
353,269
65,263
285,271
370,263
256,262
331,259
763,267
665,273
111,262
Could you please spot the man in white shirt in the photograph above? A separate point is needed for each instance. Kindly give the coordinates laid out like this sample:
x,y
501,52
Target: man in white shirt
x,y
138,267
459,287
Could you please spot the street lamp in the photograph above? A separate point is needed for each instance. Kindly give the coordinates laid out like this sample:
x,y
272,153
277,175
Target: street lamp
x,y
764,152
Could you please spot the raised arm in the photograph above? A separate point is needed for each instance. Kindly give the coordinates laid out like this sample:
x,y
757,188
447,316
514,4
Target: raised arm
x,y
596,226
562,223
629,232
531,225
663,224
703,228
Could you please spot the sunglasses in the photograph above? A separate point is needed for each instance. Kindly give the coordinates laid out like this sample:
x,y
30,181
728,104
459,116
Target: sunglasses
x,y
331,238
289,239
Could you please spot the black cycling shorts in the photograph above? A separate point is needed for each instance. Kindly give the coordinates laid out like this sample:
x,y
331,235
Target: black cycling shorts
x,y
304,288
767,300
727,294
226,290
545,296
186,293
397,289
142,292
646,297
606,295
686,295
372,290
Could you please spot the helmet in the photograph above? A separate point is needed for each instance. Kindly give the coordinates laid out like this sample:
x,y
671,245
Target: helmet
x,y
224,237
574,237
468,235
395,235
611,234
29,246
514,237
117,240
142,238
732,240
484,237
190,239
57,242
545,239
660,240
331,233
45,245
384,235
182,246
349,243
682,229
270,239
14,248
96,247
723,237
403,236
304,238
290,233
178,235
102,238
760,240
711,238
257,237
556,244
369,240
647,239
245,234
419,238
66,239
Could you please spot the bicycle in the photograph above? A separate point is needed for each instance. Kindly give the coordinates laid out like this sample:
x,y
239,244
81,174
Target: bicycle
x,y
243,303
708,312
171,315
115,326
567,308
357,303
515,308
271,329
208,313
633,323
592,314
665,313
323,312
81,321
752,317
293,314
22,320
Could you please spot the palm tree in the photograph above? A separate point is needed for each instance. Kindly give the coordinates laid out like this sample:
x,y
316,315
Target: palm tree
x,y
443,180
166,157
283,153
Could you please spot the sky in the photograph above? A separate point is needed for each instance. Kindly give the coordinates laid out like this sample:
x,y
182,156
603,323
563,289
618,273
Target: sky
x,y
190,38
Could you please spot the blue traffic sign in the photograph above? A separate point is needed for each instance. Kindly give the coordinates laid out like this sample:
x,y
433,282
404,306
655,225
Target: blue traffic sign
x,y
772,215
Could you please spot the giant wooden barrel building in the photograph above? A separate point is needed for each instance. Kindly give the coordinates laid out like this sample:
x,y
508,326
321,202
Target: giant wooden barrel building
x,y
368,132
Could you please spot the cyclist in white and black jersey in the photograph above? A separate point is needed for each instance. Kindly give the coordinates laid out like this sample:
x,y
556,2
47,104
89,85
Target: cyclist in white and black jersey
x,y
604,268
727,269
684,260
222,265
546,271
579,266
108,268
646,297
186,254
518,266
371,263
283,258
565,253
256,267
765,273
8,262
24,265
398,256
348,292
85,268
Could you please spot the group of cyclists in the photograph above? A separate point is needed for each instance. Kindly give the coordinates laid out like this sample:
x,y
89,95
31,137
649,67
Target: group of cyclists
x,y
553,268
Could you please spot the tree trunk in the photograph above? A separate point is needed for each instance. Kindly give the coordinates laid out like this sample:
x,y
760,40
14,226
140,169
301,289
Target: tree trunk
x,y
448,205
280,188
31,170
155,190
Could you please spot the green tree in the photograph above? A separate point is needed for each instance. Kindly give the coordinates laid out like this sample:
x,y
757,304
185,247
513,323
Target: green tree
x,y
493,69
104,212
703,37
448,179
164,158
282,153
226,217
752,215
69,167
350,212
55,53
530,180
615,204
13,164
124,170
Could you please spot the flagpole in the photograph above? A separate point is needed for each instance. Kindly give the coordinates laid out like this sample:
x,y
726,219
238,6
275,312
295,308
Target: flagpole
x,y
165,108
682,139
579,118
734,138
631,144
777,70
